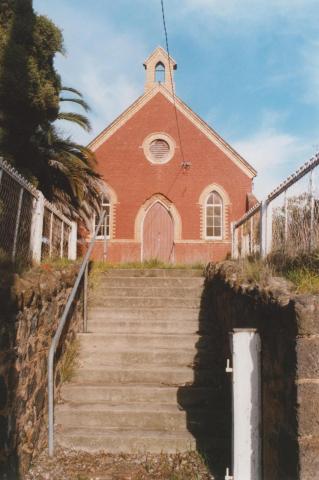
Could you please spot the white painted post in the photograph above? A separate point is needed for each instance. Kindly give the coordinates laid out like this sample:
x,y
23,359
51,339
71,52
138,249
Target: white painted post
x,y
232,229
236,243
269,229
37,228
312,210
62,239
286,217
51,235
246,405
251,235
264,225
72,247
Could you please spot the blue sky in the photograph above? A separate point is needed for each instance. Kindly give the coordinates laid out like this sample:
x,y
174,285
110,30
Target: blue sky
x,y
250,68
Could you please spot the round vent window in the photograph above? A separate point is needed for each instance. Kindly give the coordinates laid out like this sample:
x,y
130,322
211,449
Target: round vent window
x,y
159,148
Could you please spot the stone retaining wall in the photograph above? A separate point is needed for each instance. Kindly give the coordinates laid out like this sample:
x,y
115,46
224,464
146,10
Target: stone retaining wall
x,y
289,329
31,306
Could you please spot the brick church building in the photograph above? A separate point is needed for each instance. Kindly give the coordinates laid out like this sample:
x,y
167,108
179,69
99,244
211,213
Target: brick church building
x,y
172,184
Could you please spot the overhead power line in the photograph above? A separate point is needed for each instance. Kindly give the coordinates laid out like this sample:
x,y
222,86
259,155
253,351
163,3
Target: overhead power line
x,y
185,164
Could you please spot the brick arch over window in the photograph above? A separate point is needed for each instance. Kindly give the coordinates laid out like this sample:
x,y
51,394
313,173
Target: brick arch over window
x,y
171,209
204,196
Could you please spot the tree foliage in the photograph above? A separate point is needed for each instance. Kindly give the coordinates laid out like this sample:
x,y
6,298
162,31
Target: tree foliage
x,y
31,95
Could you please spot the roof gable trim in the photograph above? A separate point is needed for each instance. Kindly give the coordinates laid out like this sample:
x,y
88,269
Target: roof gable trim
x,y
188,113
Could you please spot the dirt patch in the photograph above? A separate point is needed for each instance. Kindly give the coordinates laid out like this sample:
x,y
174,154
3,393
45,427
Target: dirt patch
x,y
75,465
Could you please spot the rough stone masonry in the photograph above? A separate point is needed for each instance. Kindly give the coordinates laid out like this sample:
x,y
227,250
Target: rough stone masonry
x,y
31,306
289,329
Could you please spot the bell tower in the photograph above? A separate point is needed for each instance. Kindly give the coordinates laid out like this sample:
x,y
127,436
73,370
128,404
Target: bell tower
x,y
159,68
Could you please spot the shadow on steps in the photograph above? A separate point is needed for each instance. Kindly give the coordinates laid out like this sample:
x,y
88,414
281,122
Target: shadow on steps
x,y
207,400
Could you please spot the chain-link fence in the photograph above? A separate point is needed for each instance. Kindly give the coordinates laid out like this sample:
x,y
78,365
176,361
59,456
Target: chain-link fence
x,y
30,227
287,221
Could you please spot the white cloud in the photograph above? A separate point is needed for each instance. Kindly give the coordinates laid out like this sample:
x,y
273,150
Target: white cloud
x,y
275,155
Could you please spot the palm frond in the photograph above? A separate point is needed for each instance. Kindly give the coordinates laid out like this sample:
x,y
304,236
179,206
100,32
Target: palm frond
x,y
72,90
78,101
76,118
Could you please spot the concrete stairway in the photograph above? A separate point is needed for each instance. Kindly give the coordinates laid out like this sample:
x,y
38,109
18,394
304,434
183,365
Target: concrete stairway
x,y
143,380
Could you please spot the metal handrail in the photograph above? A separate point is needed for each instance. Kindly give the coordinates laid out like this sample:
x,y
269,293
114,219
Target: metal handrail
x,y
56,338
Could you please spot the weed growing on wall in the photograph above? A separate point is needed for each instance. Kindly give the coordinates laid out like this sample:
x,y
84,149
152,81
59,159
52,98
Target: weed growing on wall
x,y
69,361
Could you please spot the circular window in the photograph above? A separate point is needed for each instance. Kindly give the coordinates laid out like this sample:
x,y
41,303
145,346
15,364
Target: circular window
x,y
159,148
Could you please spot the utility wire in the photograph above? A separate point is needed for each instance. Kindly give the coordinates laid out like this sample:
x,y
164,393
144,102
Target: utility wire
x,y
184,164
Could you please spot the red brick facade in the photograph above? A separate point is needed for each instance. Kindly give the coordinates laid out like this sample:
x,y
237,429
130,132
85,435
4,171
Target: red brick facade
x,y
134,183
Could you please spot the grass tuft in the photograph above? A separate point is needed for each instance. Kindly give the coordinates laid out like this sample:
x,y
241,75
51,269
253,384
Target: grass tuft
x,y
305,279
302,270
255,271
69,361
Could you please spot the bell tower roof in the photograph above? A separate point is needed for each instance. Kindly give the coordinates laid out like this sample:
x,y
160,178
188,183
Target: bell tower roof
x,y
159,67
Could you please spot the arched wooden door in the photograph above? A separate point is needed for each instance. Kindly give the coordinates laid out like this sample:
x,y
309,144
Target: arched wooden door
x,y
158,234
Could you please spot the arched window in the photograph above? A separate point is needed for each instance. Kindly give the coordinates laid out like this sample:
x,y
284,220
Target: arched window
x,y
214,216
160,72
104,230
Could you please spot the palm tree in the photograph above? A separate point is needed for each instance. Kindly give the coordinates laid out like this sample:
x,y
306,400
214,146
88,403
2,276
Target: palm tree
x,y
67,175
81,120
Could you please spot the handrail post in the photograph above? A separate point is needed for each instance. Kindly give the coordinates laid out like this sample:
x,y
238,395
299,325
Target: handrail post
x,y
56,338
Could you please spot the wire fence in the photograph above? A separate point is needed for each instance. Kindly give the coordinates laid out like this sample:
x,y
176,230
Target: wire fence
x,y
287,221
31,228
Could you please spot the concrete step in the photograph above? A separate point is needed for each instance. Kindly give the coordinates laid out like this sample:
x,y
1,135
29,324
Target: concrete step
x,y
166,376
139,302
161,282
93,341
146,291
163,357
149,326
154,272
135,393
144,314
145,416
126,441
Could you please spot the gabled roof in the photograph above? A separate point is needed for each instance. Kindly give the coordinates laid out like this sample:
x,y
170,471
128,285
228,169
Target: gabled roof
x,y
210,133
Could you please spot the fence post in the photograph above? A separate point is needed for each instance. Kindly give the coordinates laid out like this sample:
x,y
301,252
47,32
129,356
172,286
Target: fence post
x,y
72,253
286,218
312,209
62,239
266,229
51,235
85,300
263,229
37,228
269,229
252,250
233,247
246,404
